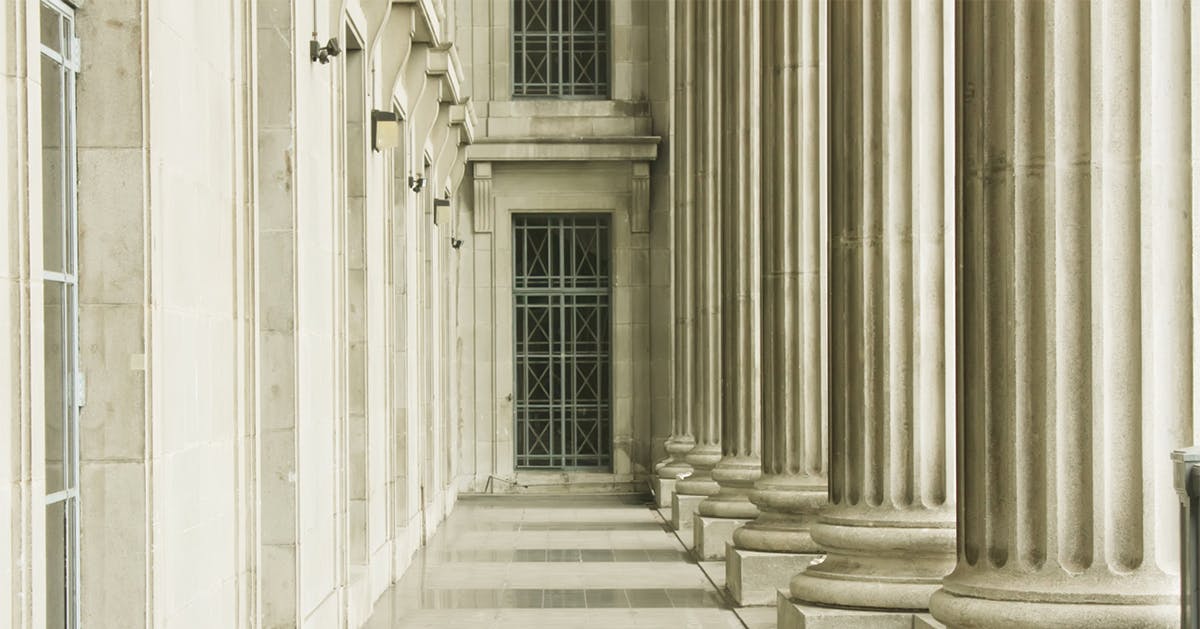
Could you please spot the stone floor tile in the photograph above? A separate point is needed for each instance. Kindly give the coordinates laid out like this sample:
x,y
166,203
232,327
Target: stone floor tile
x,y
562,562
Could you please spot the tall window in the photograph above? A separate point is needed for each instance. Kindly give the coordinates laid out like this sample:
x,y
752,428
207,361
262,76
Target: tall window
x,y
561,290
59,62
560,48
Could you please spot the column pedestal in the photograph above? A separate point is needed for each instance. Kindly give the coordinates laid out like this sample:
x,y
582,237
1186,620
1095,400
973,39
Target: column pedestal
x,y
711,535
664,490
753,577
792,615
683,510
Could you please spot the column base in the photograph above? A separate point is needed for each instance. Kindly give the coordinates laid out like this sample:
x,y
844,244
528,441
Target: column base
x,y
969,611
754,577
792,615
683,507
878,558
711,535
664,489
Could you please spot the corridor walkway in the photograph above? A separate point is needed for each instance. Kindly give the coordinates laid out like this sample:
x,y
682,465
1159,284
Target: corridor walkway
x,y
559,561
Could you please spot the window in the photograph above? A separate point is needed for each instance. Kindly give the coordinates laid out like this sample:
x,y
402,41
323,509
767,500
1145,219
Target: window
x,y
59,62
560,48
561,287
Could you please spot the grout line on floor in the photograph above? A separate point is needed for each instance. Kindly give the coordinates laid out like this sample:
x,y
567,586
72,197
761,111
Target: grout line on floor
x,y
699,564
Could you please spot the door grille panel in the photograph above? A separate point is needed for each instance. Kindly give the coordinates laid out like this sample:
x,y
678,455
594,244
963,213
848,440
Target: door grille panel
x,y
562,316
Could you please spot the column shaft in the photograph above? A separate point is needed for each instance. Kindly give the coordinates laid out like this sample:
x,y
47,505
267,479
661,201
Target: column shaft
x,y
889,529
741,251
683,161
706,392
1077,310
793,485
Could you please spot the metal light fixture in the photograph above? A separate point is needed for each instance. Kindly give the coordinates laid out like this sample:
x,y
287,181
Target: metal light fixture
x,y
456,242
385,130
317,52
416,182
439,205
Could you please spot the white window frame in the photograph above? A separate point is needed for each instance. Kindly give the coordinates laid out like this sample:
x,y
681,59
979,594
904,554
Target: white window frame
x,y
68,278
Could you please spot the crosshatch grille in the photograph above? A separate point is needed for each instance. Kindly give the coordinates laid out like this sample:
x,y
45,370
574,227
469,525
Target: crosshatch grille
x,y
561,300
560,48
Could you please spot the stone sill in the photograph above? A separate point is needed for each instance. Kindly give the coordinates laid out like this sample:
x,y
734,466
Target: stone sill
x,y
618,148
568,482
565,108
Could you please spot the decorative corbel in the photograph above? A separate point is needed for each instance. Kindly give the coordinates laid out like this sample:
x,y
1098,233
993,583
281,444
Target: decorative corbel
x,y
639,220
484,204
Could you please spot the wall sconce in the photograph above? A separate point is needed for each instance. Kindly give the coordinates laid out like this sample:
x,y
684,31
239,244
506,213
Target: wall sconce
x,y
456,242
439,206
385,130
317,52
416,182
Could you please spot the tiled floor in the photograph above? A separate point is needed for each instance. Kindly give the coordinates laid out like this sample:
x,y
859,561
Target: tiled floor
x,y
559,561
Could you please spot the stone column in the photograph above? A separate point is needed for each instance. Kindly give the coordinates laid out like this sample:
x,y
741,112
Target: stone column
x,y
706,372
793,486
741,251
889,529
683,162
1078,325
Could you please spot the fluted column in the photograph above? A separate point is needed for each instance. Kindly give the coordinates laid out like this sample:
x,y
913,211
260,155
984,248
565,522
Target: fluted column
x,y
706,391
793,485
889,529
683,158
741,251
1077,331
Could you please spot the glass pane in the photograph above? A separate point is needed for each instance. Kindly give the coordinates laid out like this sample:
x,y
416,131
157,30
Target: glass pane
x,y
52,29
56,392
53,202
70,425
56,565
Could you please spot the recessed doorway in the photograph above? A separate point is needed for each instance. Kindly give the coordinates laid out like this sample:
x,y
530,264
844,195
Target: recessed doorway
x,y
562,319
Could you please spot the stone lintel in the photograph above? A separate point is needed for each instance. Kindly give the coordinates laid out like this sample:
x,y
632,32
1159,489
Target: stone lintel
x,y
628,149
754,577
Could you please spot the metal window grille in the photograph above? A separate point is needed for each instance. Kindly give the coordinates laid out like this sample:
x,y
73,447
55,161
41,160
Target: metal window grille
x,y
561,299
560,48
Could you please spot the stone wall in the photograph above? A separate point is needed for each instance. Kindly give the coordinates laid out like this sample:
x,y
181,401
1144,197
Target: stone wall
x,y
266,309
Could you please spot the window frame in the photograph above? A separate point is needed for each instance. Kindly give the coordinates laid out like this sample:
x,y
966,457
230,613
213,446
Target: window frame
x,y
66,58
